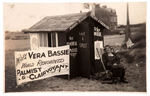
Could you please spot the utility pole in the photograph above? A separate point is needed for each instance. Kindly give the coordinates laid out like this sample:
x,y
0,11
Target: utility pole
x,y
127,30
127,42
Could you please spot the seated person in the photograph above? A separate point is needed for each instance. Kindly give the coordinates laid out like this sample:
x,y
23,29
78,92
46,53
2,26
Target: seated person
x,y
112,63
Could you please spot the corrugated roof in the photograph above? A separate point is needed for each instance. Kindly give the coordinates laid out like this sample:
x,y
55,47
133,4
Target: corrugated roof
x,y
59,23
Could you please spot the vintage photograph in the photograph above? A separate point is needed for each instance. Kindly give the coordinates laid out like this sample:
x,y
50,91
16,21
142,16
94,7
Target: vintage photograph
x,y
75,47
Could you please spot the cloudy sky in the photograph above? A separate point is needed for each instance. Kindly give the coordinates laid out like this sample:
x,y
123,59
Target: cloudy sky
x,y
18,16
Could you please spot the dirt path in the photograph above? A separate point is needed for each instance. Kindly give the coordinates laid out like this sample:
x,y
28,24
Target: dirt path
x,y
76,84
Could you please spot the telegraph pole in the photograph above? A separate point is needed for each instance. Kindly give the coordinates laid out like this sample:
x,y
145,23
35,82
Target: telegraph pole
x,y
127,31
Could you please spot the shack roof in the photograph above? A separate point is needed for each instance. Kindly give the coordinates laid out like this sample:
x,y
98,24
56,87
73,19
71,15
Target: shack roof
x,y
61,23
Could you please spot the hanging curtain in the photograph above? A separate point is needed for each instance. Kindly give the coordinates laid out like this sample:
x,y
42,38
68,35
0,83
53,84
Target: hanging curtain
x,y
43,39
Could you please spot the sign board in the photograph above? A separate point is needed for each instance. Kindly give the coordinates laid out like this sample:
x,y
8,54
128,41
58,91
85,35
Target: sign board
x,y
43,63
129,43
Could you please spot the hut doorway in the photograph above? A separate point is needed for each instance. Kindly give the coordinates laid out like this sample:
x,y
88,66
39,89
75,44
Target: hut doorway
x,y
84,47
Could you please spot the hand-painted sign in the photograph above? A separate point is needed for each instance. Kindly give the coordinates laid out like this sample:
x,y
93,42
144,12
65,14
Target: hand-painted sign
x,y
43,63
83,40
97,32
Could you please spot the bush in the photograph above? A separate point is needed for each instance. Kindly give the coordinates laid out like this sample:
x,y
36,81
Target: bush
x,y
138,50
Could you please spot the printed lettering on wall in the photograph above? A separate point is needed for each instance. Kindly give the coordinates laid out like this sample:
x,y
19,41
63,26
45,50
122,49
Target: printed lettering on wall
x,y
74,50
83,42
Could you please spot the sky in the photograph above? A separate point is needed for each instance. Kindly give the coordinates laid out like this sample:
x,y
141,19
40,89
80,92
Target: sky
x,y
19,16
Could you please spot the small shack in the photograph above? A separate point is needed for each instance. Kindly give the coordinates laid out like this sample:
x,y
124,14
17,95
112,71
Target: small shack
x,y
80,31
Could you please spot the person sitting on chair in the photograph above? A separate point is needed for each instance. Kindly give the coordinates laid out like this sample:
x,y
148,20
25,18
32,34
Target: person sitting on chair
x,y
112,63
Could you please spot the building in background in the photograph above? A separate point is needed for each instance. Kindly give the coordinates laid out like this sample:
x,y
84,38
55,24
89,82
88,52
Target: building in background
x,y
107,15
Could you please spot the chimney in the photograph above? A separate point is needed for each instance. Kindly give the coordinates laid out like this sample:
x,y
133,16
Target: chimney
x,y
104,6
93,10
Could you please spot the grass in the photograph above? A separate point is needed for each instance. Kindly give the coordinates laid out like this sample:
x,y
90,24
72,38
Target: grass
x,y
134,73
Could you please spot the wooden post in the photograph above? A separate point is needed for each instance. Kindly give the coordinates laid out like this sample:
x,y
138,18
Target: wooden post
x,y
69,67
69,76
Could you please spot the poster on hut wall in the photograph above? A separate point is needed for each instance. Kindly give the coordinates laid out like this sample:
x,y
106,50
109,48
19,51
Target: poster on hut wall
x,y
39,64
98,47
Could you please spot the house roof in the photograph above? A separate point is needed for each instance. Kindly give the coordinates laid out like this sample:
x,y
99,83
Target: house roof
x,y
61,22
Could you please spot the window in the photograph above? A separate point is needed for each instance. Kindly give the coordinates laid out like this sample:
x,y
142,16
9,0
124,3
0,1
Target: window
x,y
43,40
48,39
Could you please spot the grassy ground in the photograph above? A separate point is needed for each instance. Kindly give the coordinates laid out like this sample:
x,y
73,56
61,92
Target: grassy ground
x,y
135,74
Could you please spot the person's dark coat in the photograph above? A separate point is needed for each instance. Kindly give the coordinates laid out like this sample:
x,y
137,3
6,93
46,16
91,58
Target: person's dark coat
x,y
117,70
110,60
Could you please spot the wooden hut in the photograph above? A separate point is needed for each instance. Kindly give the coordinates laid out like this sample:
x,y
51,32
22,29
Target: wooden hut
x,y
79,30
